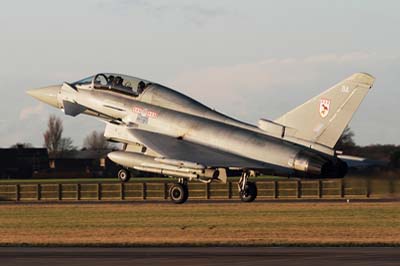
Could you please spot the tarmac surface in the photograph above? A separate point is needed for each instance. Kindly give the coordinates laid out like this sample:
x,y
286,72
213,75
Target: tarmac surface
x,y
200,256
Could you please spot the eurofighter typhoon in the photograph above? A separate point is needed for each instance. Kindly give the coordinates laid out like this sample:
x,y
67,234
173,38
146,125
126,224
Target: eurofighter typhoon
x,y
168,133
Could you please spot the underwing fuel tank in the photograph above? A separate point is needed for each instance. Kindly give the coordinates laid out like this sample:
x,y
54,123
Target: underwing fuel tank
x,y
313,165
166,166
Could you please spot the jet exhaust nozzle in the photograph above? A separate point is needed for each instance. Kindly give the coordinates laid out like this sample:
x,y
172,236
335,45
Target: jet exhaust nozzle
x,y
311,165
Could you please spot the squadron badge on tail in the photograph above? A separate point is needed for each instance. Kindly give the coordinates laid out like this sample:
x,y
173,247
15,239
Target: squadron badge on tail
x,y
324,105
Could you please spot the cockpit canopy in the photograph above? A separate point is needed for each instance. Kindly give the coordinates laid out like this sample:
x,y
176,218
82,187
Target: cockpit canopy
x,y
116,82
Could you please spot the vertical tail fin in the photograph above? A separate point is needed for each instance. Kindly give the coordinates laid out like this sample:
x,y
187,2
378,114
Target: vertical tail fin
x,y
323,118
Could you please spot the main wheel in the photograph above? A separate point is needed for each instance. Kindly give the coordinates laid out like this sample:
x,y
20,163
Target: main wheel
x,y
124,175
179,193
249,193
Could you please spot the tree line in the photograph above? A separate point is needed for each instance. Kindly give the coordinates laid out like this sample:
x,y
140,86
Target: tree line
x,y
387,152
57,144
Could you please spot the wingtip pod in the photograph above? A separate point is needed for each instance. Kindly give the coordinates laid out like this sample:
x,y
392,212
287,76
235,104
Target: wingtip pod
x,y
363,78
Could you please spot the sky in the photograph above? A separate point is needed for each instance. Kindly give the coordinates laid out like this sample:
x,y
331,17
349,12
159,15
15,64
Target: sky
x,y
248,59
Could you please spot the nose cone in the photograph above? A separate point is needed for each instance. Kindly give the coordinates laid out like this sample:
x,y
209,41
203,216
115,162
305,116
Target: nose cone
x,y
47,94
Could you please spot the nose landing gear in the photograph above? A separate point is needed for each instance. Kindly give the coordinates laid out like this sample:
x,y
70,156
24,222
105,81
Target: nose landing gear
x,y
247,189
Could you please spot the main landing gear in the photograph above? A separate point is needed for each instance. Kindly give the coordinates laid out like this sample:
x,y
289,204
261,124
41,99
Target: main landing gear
x,y
124,175
247,189
179,192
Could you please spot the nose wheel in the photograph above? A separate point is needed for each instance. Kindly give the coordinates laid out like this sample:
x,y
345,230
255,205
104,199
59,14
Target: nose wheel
x,y
247,189
179,193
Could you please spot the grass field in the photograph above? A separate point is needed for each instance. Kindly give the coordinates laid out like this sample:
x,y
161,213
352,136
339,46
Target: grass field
x,y
258,224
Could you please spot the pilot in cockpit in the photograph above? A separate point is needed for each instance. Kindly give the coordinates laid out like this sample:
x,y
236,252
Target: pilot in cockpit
x,y
118,81
110,80
140,88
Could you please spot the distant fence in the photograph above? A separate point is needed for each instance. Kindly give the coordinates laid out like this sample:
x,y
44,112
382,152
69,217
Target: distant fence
x,y
287,189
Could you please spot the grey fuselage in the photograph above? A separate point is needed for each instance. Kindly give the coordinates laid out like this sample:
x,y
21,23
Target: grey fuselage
x,y
164,111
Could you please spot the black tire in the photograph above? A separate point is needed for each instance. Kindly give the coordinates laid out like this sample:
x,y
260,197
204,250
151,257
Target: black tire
x,y
124,175
178,193
186,192
250,192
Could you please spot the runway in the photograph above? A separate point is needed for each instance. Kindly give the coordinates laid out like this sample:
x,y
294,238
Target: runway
x,y
217,256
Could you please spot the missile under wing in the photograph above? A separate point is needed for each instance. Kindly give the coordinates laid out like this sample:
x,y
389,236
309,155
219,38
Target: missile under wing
x,y
169,133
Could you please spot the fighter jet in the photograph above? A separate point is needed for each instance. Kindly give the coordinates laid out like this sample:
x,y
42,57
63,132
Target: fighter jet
x,y
168,133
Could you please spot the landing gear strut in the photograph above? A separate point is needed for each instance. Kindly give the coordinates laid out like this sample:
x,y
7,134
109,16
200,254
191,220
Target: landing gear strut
x,y
124,175
179,192
247,190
